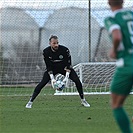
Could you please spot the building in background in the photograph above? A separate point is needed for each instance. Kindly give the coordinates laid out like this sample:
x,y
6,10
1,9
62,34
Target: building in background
x,y
19,44
17,28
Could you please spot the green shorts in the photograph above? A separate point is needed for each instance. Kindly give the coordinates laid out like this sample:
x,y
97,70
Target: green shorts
x,y
122,81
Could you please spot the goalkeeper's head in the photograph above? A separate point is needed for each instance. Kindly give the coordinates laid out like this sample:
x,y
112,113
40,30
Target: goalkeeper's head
x,y
53,41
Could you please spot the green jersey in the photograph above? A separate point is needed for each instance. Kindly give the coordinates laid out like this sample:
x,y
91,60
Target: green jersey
x,y
122,81
123,20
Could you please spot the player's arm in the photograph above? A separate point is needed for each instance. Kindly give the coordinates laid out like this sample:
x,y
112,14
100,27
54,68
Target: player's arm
x,y
68,61
114,30
49,67
47,61
68,65
116,39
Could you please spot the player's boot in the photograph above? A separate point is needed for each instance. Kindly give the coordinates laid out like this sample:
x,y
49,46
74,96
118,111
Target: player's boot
x,y
85,103
29,105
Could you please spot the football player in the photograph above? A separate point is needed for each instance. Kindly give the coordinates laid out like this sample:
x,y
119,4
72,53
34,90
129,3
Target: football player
x,y
58,60
120,28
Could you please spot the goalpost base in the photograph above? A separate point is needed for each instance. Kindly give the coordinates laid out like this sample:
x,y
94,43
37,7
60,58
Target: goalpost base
x,y
85,93
76,93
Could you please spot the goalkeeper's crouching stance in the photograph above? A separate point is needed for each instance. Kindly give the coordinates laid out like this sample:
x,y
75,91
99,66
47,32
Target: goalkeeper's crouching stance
x,y
58,61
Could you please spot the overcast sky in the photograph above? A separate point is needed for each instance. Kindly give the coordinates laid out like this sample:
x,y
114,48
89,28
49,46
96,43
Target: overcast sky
x,y
53,4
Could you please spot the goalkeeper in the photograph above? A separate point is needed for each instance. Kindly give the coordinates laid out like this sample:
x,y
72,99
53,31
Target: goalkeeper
x,y
58,60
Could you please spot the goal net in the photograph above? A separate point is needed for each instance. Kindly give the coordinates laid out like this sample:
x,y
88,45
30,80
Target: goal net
x,y
95,77
25,30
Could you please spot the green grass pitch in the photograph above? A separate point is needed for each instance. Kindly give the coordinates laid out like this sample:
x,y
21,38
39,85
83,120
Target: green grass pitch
x,y
58,114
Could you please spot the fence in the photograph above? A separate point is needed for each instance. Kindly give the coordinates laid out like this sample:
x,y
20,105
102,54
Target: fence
x,y
25,33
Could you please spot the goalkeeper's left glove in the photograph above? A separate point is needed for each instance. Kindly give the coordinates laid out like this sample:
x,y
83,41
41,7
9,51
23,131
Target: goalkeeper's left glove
x,y
65,80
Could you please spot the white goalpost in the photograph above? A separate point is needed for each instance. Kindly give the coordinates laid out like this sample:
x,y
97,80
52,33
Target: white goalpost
x,y
95,78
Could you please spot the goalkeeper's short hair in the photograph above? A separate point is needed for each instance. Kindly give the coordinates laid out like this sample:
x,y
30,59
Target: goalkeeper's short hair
x,y
52,36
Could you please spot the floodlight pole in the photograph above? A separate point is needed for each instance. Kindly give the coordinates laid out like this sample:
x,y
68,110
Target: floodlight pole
x,y
40,37
1,58
89,28
98,43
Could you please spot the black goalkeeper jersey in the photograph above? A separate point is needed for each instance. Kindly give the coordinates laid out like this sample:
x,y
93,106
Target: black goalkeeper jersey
x,y
58,60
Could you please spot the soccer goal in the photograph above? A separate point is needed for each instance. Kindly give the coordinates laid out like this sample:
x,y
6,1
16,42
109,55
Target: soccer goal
x,y
95,78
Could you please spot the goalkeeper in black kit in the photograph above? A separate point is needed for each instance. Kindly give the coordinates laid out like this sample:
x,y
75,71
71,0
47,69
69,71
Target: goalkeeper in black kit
x,y
58,61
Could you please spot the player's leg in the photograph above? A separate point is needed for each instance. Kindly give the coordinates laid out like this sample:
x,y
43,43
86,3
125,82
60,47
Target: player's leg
x,y
120,87
38,88
119,112
74,77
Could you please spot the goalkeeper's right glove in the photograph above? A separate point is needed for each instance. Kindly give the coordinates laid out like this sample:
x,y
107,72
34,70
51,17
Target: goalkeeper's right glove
x,y
52,80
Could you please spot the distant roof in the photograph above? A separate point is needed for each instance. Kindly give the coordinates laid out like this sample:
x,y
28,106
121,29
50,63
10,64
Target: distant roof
x,y
100,15
40,16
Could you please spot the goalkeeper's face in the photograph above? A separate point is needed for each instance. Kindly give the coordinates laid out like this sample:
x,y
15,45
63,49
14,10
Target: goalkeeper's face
x,y
54,44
